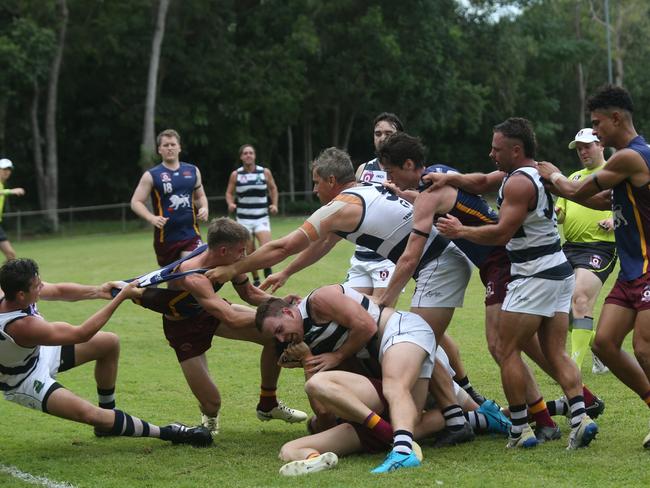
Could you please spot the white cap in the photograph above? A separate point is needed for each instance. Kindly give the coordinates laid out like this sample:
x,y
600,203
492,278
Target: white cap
x,y
583,135
6,163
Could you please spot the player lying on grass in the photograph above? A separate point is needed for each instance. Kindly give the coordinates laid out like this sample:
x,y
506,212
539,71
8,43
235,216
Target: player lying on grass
x,y
193,313
33,350
330,390
338,323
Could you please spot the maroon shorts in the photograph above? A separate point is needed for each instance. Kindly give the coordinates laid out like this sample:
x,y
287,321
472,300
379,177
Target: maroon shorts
x,y
634,294
495,276
369,442
192,336
168,252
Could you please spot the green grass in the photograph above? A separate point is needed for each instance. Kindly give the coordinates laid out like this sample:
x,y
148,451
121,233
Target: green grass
x,y
150,385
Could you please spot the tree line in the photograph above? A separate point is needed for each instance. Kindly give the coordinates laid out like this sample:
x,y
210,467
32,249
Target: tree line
x,y
84,84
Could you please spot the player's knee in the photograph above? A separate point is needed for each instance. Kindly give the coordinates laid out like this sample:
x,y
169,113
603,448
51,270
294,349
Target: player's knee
x,y
287,451
602,348
317,386
393,389
580,305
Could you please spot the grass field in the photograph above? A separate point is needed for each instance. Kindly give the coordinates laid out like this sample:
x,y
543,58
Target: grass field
x,y
150,385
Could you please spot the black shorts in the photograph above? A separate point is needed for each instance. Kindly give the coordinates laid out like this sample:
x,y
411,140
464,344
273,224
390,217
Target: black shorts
x,y
3,235
597,257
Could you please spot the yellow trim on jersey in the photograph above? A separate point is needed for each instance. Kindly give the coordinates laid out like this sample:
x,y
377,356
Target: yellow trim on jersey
x,y
474,212
639,225
172,303
158,205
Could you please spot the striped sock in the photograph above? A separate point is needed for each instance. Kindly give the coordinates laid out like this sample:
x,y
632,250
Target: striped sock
x,y
454,418
519,418
403,442
106,397
379,428
129,426
267,272
268,400
557,407
577,407
540,414
477,420
646,398
465,384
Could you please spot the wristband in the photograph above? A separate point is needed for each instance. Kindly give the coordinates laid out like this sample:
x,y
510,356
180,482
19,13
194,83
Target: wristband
x,y
556,176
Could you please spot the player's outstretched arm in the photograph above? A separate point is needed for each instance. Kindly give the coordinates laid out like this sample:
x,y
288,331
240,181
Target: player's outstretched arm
x,y
34,331
266,256
309,256
476,183
72,292
518,193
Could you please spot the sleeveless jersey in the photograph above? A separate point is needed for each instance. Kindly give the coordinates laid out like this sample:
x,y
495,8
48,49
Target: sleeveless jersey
x,y
535,248
372,174
252,194
172,197
472,210
329,336
16,362
386,225
631,209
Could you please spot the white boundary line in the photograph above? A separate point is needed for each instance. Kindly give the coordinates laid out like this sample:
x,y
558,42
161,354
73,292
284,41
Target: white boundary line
x,y
30,478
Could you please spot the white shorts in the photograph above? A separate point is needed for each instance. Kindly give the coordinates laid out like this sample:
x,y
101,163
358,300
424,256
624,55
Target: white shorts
x,y
36,386
369,274
410,327
443,281
254,226
539,296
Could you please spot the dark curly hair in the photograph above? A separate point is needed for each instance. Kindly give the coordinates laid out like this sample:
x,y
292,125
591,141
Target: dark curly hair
x,y
522,130
609,97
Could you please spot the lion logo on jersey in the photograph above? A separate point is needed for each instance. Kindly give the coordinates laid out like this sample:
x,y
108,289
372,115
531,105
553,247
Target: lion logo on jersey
x,y
179,201
619,219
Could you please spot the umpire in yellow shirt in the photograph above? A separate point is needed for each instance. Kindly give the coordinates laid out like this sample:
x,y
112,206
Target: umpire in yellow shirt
x,y
589,246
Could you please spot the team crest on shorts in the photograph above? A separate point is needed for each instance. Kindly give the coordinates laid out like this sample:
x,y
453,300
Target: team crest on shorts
x,y
595,261
383,274
645,296
489,289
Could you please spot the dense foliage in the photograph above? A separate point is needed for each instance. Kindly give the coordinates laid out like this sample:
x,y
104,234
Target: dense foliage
x,y
252,70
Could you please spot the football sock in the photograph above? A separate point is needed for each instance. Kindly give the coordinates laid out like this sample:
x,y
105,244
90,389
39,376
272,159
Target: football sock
x,y
106,397
577,407
540,414
646,398
403,442
519,418
454,418
589,397
477,420
581,335
268,400
127,425
467,386
267,272
557,407
381,429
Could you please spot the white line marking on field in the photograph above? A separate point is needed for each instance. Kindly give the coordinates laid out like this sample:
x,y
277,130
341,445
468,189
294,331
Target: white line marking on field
x,y
30,478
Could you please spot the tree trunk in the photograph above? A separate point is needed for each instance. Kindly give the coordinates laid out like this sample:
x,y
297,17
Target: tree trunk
x,y
51,179
348,129
307,143
37,144
3,122
148,147
336,124
292,176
